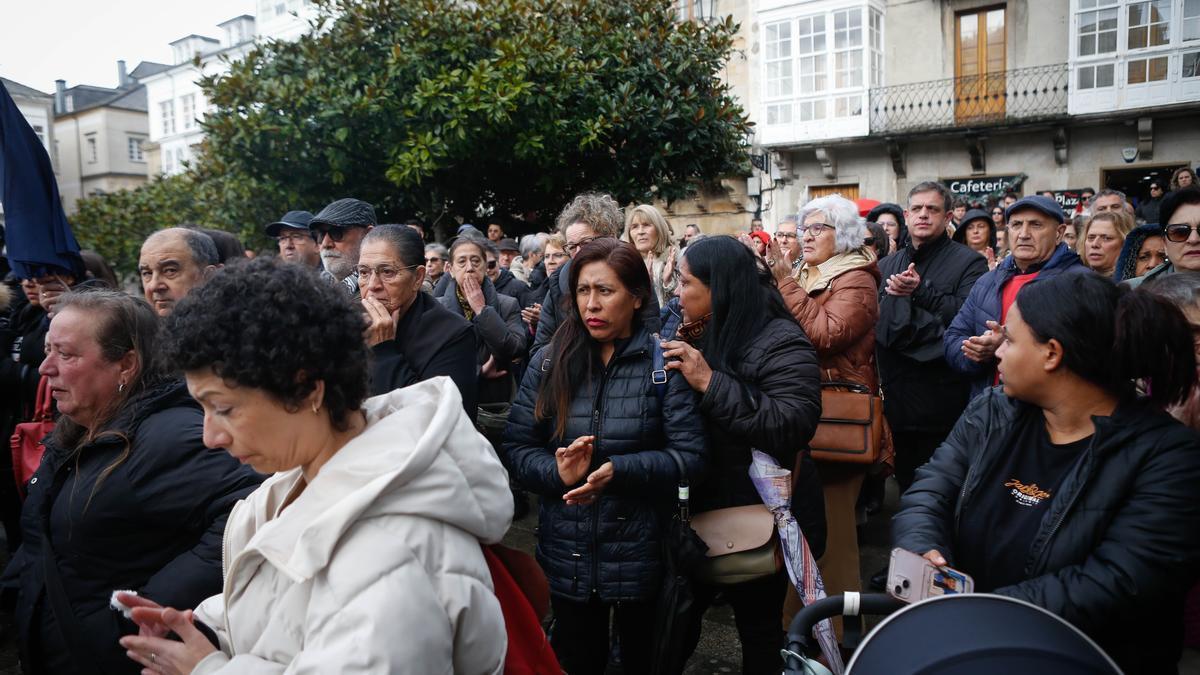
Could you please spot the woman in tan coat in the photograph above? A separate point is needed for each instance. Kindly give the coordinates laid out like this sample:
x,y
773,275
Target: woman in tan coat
x,y
834,296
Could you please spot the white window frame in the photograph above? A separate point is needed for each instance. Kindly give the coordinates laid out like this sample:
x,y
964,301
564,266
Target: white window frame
x,y
134,146
166,110
93,148
1093,90
187,106
832,69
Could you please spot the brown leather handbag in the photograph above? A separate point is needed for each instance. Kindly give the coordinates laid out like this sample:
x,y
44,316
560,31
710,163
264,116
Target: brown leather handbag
x,y
742,544
851,430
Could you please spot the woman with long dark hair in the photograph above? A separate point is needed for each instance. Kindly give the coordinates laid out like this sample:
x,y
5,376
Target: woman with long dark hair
x,y
731,336
593,435
1063,487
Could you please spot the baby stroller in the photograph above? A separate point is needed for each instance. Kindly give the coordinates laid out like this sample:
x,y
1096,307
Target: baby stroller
x,y
968,634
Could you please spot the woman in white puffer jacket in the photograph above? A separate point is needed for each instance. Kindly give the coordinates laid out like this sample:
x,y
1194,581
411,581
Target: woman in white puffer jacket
x,y
362,554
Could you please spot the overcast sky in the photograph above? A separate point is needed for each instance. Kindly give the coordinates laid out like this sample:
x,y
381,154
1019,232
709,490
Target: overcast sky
x,y
81,40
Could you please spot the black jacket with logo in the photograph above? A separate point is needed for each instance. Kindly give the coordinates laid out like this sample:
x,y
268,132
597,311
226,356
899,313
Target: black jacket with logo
x,y
1118,547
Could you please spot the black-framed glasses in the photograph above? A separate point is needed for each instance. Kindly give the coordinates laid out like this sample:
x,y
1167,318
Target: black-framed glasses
x,y
433,259
786,235
335,232
386,273
491,264
296,236
1181,232
868,241
815,228
572,247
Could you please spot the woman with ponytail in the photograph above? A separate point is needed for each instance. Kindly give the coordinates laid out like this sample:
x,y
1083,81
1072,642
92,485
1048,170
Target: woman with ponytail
x,y
1065,488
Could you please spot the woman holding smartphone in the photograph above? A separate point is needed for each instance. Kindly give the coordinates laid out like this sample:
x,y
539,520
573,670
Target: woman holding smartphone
x,y
1064,487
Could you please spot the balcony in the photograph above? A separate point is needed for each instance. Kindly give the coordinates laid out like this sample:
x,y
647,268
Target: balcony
x,y
1017,96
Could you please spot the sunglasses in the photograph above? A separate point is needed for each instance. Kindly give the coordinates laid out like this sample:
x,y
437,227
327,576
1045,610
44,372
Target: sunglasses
x,y
335,232
433,260
491,264
869,241
1180,233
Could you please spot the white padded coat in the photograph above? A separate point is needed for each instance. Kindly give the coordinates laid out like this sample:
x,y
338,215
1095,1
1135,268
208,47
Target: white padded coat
x,y
376,567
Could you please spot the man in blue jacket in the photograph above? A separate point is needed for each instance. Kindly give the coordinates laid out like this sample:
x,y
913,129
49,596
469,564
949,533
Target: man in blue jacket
x,y
1035,229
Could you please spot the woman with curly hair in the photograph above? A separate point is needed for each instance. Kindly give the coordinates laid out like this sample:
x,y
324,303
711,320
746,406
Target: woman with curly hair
x,y
127,495
362,552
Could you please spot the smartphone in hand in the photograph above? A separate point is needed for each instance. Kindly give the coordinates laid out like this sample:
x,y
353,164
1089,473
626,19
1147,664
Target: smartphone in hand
x,y
912,578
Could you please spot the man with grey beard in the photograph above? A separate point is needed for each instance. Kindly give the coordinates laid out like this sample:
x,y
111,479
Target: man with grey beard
x,y
339,229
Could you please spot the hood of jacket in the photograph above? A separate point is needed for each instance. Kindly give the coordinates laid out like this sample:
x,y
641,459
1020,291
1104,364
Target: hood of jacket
x,y
419,456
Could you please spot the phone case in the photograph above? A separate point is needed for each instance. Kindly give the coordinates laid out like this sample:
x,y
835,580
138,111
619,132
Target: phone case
x,y
912,578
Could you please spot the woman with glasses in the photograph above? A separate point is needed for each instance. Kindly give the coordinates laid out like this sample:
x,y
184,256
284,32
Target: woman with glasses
x,y
1103,236
835,297
412,337
1180,214
435,262
496,317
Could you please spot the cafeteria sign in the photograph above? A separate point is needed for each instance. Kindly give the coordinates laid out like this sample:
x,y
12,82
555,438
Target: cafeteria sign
x,y
984,187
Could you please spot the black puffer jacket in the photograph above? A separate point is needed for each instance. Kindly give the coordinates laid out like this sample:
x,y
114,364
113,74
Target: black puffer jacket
x,y
154,526
772,403
1120,544
921,392
611,546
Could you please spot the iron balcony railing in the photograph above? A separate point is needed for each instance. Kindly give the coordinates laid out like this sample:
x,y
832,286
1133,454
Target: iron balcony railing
x,y
1018,95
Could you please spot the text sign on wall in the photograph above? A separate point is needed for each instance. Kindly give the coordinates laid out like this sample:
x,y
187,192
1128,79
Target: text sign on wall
x,y
982,187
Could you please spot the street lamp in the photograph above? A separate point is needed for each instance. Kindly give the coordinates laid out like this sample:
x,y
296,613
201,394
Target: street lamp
x,y
706,10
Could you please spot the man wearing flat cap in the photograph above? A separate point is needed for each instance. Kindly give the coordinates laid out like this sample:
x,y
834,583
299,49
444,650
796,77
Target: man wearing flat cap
x,y
339,229
297,244
1035,229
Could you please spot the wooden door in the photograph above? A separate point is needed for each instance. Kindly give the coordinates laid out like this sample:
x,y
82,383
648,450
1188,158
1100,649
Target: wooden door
x,y
848,191
979,50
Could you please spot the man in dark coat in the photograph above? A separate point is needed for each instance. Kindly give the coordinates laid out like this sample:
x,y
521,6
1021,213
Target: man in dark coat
x,y
1035,226
925,285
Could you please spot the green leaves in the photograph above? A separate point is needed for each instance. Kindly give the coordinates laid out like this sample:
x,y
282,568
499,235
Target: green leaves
x,y
431,107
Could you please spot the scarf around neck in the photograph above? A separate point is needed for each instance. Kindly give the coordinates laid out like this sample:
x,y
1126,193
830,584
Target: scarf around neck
x,y
691,332
818,278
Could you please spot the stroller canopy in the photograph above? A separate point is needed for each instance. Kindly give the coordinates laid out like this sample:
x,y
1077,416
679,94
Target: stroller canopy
x,y
978,634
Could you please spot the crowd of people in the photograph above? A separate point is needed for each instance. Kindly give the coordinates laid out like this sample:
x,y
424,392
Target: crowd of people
x,y
297,462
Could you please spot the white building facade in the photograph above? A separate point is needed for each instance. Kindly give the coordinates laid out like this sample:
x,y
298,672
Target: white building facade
x,y
177,103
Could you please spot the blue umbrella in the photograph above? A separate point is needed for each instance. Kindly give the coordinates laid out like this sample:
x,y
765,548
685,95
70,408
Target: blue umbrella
x,y
39,239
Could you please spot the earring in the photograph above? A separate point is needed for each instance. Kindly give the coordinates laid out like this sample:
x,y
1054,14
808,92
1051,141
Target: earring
x,y
316,408
121,387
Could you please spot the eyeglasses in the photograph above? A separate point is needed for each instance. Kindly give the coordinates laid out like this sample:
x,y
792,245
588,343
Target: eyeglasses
x,y
1180,233
814,228
386,273
785,235
335,232
491,264
573,246
433,259
868,241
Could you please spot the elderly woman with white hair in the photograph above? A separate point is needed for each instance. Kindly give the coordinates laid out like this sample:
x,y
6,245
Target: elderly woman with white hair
x,y
834,296
653,238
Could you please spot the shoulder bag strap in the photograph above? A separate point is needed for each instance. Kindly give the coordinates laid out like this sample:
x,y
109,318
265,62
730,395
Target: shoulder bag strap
x,y
44,409
56,594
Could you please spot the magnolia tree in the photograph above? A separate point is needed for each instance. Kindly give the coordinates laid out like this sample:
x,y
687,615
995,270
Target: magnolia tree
x,y
444,109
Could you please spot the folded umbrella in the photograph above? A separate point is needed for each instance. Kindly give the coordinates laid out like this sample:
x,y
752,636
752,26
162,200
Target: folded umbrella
x,y
39,240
